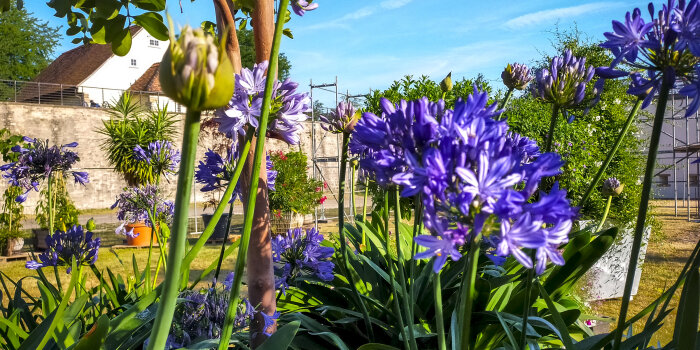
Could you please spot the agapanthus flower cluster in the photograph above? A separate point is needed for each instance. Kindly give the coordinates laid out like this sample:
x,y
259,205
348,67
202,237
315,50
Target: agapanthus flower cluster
x,y
64,247
201,314
612,187
298,253
160,155
516,76
341,120
473,177
135,204
39,161
287,109
667,46
564,82
215,172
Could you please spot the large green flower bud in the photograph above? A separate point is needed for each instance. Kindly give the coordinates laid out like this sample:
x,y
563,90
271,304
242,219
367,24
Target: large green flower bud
x,y
196,71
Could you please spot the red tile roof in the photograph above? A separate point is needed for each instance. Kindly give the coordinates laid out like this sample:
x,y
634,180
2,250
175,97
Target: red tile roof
x,y
149,81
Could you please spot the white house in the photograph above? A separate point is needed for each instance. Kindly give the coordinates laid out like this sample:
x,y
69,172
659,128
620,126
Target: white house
x,y
92,75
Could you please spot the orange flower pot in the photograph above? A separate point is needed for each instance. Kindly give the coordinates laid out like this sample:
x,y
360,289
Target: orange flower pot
x,y
144,235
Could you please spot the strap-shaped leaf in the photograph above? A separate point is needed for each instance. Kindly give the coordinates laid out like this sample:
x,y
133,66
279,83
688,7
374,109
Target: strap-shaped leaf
x,y
281,339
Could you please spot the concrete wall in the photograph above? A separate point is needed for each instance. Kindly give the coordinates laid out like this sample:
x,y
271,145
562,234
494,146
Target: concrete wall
x,y
64,124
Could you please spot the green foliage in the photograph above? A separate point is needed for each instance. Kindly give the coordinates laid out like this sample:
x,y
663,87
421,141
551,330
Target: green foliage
x,y
66,214
584,143
128,127
26,46
294,190
12,211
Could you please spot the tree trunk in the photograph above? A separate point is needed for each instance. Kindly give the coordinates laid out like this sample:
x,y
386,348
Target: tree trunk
x,y
260,274
224,20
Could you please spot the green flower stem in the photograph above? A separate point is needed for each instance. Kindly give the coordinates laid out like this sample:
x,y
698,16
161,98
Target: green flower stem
x,y
552,126
235,298
506,99
439,319
390,268
234,179
148,265
613,151
529,276
417,227
402,274
364,212
605,214
168,298
352,190
52,208
666,85
343,242
467,301
192,254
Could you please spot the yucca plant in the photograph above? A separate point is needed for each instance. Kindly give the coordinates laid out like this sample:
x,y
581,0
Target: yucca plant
x,y
130,126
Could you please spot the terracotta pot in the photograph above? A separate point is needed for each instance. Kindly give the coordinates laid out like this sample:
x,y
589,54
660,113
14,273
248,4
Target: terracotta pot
x,y
14,246
220,228
281,224
144,235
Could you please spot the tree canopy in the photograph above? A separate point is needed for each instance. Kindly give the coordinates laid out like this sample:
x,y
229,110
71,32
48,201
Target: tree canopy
x,y
26,46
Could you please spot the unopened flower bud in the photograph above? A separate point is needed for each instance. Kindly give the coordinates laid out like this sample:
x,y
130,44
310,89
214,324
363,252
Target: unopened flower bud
x,y
612,187
446,84
196,71
516,76
342,119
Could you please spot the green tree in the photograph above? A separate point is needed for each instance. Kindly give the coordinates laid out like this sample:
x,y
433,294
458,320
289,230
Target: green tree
x,y
26,46
247,44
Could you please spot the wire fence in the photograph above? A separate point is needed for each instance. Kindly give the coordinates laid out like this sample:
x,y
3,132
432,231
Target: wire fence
x,y
78,96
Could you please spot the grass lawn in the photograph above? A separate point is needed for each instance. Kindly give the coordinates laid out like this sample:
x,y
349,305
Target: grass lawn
x,y
667,252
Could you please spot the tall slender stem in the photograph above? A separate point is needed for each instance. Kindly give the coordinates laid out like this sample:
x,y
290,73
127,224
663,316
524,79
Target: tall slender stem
x,y
352,189
466,304
529,275
49,200
390,268
402,274
613,151
439,319
223,244
235,297
552,126
364,212
506,99
605,215
168,297
341,229
417,225
666,85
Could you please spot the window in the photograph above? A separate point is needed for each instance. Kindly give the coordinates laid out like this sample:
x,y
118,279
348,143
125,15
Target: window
x,y
693,180
664,180
153,42
133,62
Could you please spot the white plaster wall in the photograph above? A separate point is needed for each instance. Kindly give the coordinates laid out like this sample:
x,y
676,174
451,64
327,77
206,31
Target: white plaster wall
x,y
117,74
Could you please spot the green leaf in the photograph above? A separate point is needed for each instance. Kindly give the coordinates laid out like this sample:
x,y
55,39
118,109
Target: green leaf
x,y
150,5
106,9
288,33
122,43
376,346
152,22
96,336
114,28
689,312
558,321
281,339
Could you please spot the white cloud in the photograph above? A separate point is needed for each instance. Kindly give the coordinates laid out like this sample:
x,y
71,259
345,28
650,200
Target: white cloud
x,y
550,15
394,4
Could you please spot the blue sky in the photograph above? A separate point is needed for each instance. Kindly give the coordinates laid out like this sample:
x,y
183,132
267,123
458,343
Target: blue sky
x,y
369,44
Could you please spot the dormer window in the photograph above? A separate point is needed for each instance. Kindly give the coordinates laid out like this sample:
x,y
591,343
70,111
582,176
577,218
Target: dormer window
x,y
133,62
153,42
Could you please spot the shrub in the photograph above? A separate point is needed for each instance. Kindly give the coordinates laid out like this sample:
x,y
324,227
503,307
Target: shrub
x,y
294,190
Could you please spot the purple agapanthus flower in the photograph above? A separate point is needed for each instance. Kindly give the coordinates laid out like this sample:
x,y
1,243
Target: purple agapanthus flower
x,y
301,6
473,175
564,82
340,120
39,161
66,247
215,172
516,76
299,252
201,314
137,204
667,47
289,107
160,155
